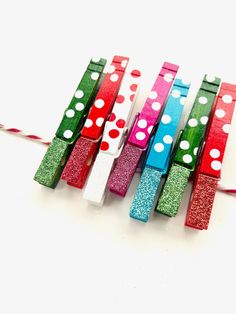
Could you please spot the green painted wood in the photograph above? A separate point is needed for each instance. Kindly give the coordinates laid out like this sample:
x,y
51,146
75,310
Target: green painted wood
x,y
194,131
81,102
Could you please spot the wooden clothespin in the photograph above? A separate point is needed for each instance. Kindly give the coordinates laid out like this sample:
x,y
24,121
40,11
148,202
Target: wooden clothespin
x,y
157,161
189,144
52,165
86,147
140,134
113,137
209,169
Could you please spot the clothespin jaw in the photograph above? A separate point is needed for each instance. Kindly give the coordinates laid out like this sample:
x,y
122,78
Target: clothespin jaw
x,y
50,169
79,164
159,154
141,131
209,168
113,138
190,143
52,165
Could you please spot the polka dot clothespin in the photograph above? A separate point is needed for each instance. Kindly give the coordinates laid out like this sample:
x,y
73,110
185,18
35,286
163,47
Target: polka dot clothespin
x,y
86,147
51,167
158,157
140,134
209,169
186,154
113,138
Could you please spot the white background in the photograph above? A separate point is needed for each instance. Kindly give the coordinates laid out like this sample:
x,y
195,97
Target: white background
x,y
57,253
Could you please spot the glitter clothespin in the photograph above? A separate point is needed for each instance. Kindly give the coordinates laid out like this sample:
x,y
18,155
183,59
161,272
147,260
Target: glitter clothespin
x,y
209,169
189,144
51,167
86,147
157,161
113,138
140,134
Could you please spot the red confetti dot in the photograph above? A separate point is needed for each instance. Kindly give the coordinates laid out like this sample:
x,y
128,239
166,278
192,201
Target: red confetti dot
x,y
104,145
135,73
120,123
132,97
114,133
133,87
120,99
112,117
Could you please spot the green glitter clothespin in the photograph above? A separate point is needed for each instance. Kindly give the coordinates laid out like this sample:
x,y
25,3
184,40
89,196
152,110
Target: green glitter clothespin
x,y
51,167
188,146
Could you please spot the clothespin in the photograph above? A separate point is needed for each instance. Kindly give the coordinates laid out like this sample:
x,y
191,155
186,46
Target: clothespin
x,y
113,138
51,167
209,169
190,141
86,147
158,158
140,134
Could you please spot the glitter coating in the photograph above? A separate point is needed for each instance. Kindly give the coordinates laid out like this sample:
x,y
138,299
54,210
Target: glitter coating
x,y
172,193
50,169
144,199
124,170
202,199
79,163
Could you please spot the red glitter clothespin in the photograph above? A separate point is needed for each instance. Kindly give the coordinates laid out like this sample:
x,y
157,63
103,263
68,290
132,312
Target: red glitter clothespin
x,y
209,169
86,147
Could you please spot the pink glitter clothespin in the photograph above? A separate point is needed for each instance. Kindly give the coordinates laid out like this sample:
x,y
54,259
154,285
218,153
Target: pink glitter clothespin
x,y
140,134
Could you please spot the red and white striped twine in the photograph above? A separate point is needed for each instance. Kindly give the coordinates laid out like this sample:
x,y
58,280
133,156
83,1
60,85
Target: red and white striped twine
x,y
42,141
23,134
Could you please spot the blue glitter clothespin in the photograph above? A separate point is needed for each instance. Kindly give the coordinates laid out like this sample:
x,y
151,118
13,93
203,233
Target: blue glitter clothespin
x,y
158,158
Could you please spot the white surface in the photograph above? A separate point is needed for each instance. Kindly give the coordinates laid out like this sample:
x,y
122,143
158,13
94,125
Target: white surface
x,y
61,255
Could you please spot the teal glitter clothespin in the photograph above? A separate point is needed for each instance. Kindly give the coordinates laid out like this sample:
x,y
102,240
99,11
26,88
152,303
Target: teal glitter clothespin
x,y
158,158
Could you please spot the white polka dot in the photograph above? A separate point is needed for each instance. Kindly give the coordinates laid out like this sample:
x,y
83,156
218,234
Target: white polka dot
x,y
150,129
168,77
167,139
79,93
114,77
159,147
202,100
142,124
182,101
111,69
195,151
166,119
156,106
70,113
68,134
140,136
124,63
99,121
216,165
88,123
215,153
96,59
192,123
176,93
220,113
99,103
153,95
94,76
79,106
204,120
210,78
227,99
184,145
226,128
187,158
